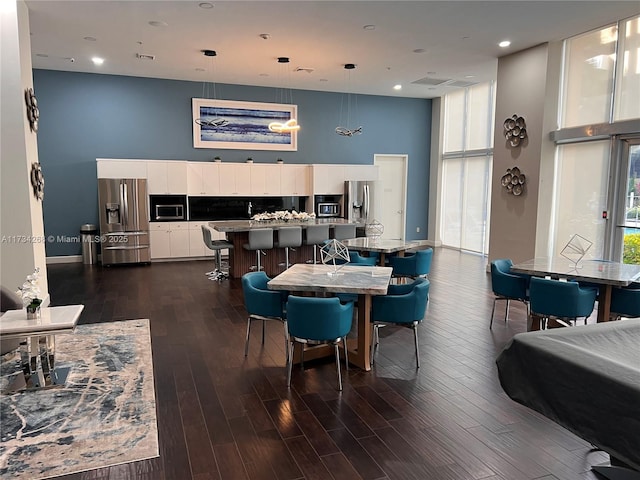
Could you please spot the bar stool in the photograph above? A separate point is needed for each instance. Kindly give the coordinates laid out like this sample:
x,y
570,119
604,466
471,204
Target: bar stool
x,y
288,237
316,235
342,232
216,246
259,239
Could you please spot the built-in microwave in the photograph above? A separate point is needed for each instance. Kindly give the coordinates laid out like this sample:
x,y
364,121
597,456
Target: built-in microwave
x,y
328,209
170,212
167,208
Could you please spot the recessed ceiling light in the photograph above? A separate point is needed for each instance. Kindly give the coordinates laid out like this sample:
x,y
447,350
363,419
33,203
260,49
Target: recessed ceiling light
x,y
90,39
265,36
397,87
205,5
158,23
469,76
97,60
504,44
369,27
419,50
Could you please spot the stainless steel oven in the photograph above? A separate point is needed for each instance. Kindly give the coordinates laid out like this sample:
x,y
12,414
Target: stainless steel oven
x,y
328,209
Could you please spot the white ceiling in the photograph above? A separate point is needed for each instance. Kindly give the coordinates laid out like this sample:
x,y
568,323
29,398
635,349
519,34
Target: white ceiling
x,y
459,39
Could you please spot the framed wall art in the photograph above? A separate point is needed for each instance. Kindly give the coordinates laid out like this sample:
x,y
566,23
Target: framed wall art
x,y
242,125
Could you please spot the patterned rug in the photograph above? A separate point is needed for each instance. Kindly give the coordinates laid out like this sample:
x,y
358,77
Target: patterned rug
x,y
104,415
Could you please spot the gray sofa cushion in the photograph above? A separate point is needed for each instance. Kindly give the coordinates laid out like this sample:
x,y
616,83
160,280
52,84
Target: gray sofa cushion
x,y
8,301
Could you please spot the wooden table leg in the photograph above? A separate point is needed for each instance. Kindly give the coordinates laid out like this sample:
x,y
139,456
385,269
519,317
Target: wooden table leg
x,y
361,356
604,303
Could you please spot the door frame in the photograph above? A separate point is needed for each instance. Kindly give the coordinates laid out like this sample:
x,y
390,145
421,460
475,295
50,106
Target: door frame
x,y
614,237
404,159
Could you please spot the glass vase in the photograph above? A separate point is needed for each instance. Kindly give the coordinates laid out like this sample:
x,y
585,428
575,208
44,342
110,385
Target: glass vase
x,y
33,312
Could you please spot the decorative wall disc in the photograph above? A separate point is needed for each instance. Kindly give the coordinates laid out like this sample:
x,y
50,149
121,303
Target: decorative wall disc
x,y
513,181
37,180
33,114
515,130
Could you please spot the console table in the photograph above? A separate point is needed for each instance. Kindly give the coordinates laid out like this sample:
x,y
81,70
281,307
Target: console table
x,y
38,351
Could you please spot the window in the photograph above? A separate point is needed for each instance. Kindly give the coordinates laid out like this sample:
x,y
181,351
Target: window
x,y
466,172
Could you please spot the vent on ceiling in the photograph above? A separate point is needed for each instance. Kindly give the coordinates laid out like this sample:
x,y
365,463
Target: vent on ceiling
x,y
460,84
431,81
144,56
444,82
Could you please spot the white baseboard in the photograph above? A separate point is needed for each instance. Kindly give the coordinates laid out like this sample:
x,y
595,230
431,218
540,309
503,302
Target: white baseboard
x,y
64,259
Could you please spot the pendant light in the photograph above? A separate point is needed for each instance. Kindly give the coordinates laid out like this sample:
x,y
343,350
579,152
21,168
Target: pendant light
x,y
345,129
284,95
210,118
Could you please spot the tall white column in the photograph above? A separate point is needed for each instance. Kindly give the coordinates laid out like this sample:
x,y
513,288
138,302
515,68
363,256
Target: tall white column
x,y
22,247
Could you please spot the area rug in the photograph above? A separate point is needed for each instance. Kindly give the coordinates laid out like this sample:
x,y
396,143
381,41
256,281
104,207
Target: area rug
x,y
104,415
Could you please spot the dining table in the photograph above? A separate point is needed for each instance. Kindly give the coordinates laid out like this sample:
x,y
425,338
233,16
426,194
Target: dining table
x,y
321,279
605,274
384,246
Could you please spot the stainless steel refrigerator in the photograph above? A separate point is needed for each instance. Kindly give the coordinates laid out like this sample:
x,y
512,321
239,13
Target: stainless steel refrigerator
x,y
358,200
124,221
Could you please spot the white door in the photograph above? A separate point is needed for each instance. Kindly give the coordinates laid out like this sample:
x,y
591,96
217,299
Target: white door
x,y
390,194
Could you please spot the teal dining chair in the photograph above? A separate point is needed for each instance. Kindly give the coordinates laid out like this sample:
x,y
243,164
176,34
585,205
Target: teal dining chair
x,y
508,286
263,304
315,321
413,265
403,305
625,302
564,301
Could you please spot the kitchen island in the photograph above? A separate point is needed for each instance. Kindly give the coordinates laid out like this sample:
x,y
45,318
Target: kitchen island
x,y
241,260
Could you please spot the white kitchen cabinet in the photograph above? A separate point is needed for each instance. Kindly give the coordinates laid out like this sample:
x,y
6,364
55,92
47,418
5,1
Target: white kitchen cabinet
x,y
203,179
265,179
197,248
295,180
235,179
361,172
169,239
166,177
121,168
328,179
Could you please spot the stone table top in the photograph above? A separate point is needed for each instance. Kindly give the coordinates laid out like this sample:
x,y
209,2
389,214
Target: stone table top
x,y
319,278
371,244
246,225
596,271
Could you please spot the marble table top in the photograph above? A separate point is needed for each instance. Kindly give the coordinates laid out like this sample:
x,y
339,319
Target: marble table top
x,y
596,271
303,277
246,225
371,244
52,320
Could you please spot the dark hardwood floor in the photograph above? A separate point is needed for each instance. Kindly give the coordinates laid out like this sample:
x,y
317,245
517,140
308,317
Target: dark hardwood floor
x,y
224,416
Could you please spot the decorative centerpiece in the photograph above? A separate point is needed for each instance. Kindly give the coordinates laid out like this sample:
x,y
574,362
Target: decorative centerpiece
x,y
283,216
374,230
334,253
30,293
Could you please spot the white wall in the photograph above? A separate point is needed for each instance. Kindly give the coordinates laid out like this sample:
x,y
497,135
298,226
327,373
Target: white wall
x,y
21,225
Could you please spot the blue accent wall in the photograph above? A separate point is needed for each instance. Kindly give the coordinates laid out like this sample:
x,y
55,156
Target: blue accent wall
x,y
88,116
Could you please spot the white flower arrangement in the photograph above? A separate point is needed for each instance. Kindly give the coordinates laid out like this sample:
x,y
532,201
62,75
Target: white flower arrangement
x,y
283,216
30,292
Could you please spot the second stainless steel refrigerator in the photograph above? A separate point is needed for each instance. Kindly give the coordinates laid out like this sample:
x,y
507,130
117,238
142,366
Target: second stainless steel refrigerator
x,y
358,200
124,223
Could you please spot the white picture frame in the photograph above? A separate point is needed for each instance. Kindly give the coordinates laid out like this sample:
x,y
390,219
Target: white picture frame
x,y
246,127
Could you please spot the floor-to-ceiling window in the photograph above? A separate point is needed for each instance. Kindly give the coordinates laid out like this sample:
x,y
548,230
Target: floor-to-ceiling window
x,y
599,115
466,159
